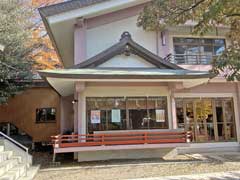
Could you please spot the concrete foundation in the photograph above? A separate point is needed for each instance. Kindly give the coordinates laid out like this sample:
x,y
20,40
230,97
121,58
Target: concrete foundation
x,y
209,147
123,154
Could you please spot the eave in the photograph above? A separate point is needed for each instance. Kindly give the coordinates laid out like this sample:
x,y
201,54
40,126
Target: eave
x,y
60,19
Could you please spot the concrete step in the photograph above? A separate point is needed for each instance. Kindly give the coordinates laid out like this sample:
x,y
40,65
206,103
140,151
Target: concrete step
x,y
15,173
7,165
19,158
31,173
5,155
1,148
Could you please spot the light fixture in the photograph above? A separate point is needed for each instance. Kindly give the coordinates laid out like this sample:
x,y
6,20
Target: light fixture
x,y
116,103
74,101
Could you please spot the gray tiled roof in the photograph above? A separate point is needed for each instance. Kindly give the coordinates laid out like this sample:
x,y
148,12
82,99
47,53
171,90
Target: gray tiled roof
x,y
127,73
66,6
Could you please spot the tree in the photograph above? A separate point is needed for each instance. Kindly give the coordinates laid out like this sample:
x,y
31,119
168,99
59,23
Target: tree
x,y
16,56
206,15
45,57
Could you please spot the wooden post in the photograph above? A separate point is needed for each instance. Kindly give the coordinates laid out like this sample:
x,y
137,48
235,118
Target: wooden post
x,y
103,140
215,124
127,115
233,120
224,120
145,137
8,129
195,121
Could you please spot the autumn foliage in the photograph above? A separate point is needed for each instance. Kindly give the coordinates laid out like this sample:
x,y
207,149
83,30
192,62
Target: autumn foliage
x,y
45,56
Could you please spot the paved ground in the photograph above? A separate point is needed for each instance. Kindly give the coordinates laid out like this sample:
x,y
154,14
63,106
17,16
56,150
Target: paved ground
x,y
235,175
152,170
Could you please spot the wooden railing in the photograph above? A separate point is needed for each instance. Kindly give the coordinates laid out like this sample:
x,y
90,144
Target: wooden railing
x,y
130,138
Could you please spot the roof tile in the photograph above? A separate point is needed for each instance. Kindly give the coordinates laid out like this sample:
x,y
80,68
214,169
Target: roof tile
x,y
66,6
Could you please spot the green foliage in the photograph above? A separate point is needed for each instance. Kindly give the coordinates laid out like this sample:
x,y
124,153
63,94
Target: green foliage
x,y
206,15
15,60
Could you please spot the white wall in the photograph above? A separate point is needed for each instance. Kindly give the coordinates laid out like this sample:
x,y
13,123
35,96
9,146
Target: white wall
x,y
103,37
132,61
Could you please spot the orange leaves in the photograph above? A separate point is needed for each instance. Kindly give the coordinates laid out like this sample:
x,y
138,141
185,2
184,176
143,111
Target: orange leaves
x,y
45,56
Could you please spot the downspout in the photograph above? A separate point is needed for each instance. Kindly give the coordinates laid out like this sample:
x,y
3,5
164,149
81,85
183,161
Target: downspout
x,y
157,41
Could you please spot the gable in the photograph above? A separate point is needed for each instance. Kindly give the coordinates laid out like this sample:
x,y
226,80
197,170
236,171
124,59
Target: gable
x,y
127,47
123,61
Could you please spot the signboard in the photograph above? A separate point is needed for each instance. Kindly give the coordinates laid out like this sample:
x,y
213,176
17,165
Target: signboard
x,y
160,115
116,115
95,116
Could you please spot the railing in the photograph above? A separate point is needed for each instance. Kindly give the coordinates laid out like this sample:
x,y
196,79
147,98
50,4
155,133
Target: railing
x,y
193,59
130,138
16,143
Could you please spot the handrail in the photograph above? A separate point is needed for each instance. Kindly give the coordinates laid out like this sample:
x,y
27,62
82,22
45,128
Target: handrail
x,y
14,142
193,59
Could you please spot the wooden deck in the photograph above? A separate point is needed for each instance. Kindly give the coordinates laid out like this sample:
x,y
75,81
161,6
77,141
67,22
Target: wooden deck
x,y
119,141
79,142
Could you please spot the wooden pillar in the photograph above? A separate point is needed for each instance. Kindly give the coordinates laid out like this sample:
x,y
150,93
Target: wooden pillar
x,y
215,124
195,120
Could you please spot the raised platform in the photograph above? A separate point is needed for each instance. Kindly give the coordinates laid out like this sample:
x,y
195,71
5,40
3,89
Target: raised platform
x,y
120,147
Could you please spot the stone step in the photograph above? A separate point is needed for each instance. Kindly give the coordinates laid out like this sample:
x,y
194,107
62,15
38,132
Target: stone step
x,y
1,148
7,165
5,155
15,173
19,158
31,173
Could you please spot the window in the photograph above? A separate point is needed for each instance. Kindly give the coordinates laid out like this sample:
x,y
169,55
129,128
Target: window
x,y
119,113
106,114
45,115
197,50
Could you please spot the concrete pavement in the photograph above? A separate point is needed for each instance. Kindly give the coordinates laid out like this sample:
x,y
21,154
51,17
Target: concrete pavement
x,y
233,175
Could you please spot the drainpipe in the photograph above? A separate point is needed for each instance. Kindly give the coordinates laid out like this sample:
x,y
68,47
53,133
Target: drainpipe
x,y
157,42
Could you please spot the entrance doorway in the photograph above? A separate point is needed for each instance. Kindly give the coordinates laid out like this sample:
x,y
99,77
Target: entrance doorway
x,y
209,119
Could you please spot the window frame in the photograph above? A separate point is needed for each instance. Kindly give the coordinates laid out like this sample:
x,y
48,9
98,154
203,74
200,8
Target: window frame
x,y
46,121
198,44
128,125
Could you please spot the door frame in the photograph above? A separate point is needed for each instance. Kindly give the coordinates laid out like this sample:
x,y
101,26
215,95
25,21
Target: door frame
x,y
217,95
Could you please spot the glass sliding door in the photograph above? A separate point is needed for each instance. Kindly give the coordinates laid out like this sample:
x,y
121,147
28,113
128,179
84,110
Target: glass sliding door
x,y
209,119
126,113
225,119
204,120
